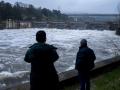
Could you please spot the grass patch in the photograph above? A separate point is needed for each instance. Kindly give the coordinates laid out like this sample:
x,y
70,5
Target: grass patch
x,y
107,81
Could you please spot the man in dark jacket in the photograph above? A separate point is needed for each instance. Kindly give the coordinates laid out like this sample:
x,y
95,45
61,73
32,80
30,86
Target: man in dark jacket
x,y
42,56
84,63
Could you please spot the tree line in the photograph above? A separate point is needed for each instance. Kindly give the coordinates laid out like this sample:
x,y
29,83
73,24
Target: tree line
x,y
21,11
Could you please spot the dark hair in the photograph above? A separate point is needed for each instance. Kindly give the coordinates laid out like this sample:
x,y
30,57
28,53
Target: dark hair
x,y
41,36
83,43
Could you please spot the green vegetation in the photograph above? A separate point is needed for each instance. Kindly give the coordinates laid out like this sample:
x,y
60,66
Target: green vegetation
x,y
21,11
106,81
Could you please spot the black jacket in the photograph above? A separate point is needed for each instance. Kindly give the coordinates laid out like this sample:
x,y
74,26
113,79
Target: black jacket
x,y
85,59
42,57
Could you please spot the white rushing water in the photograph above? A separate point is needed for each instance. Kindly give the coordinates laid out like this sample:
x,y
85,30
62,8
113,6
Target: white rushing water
x,y
15,42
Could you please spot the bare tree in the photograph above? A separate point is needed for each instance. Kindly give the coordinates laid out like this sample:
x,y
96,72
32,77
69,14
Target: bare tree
x,y
118,29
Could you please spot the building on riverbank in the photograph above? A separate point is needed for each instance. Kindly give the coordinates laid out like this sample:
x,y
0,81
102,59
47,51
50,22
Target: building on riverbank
x,y
2,25
12,24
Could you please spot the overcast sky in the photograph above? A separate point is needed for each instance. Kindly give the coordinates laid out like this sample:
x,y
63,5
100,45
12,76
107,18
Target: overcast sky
x,y
75,6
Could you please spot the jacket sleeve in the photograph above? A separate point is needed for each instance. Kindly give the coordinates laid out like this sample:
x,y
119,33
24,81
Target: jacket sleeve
x,y
29,56
79,60
54,55
93,57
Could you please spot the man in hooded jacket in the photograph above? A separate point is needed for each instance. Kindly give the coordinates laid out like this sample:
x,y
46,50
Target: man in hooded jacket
x,y
42,56
84,63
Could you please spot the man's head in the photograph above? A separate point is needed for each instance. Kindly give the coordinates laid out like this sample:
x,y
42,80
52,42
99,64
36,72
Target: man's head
x,y
41,36
83,43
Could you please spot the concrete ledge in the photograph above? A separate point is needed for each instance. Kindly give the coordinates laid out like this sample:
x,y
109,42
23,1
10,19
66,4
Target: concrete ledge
x,y
64,76
98,65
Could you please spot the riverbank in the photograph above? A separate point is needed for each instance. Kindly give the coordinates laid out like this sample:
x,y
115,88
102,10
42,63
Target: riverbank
x,y
106,81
